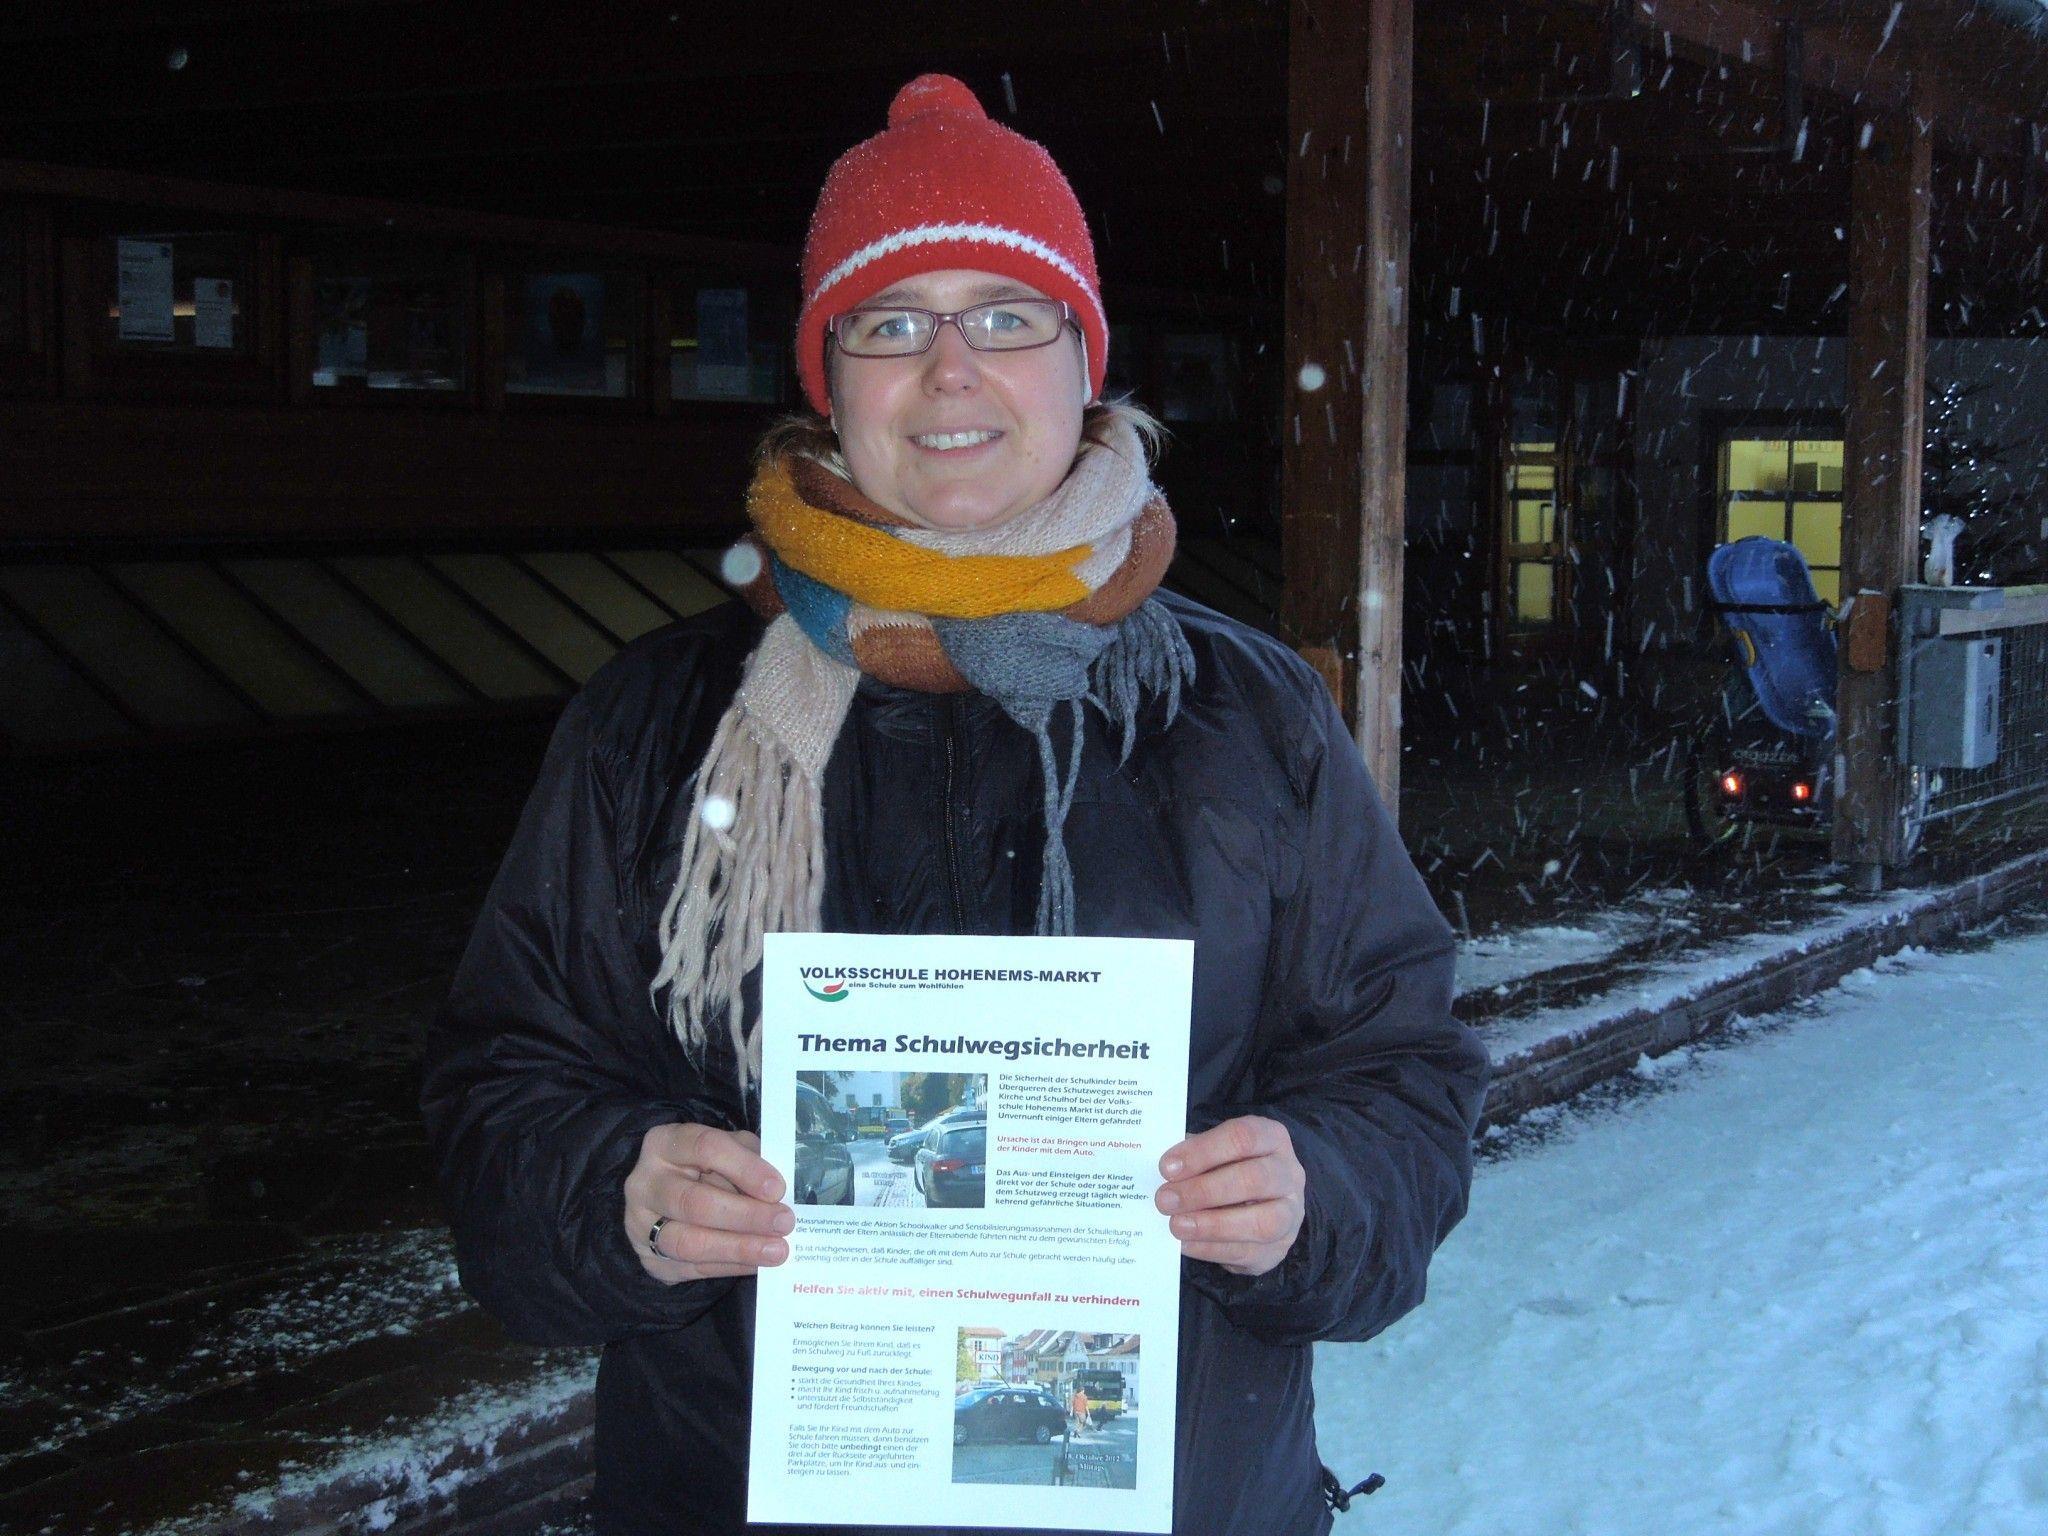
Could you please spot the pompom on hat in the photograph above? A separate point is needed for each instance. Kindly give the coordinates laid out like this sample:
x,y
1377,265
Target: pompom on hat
x,y
943,187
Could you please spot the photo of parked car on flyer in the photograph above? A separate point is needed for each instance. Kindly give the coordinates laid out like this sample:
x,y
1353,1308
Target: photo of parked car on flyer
x,y
950,1167
1047,1406
860,1136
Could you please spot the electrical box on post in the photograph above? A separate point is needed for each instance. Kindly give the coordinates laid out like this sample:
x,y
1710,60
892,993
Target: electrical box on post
x,y
1950,656
1955,702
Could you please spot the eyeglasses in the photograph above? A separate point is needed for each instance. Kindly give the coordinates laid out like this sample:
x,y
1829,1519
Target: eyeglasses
x,y
1007,325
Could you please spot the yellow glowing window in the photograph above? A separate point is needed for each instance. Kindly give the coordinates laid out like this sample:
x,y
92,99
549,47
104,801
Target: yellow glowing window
x,y
1533,536
1790,489
1535,592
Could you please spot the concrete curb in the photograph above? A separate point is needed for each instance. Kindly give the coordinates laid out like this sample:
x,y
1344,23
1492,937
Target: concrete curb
x,y
490,1462
1545,1058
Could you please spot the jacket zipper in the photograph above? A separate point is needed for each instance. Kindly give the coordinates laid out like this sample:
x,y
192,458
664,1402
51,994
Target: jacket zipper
x,y
949,811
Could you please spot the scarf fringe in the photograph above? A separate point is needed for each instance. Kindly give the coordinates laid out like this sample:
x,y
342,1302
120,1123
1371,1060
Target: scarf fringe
x,y
765,875
1150,656
1056,880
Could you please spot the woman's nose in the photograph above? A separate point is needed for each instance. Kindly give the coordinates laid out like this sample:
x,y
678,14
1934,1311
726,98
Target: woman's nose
x,y
951,364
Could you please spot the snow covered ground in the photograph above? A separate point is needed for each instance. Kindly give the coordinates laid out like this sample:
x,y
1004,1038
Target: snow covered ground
x,y
1496,961
1802,1291
155,1359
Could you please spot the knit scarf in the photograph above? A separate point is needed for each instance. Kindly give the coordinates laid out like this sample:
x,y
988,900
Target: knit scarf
x,y
1053,607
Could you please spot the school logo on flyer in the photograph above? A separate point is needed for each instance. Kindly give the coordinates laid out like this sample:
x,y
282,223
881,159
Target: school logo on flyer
x,y
831,985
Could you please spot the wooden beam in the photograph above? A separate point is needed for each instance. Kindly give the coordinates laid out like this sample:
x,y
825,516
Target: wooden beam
x,y
35,179
1349,109
1890,200
1390,119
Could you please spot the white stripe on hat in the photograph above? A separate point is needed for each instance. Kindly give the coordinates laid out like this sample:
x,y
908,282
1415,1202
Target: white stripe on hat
x,y
936,234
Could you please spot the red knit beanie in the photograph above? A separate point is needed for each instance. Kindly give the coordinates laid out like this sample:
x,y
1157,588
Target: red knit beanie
x,y
943,187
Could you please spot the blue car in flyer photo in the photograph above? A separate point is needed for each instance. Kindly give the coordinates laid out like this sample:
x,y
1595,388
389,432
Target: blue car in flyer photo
x,y
1007,1413
951,1165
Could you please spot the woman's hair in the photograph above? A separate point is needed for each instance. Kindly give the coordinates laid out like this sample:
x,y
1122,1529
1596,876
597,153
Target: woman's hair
x,y
809,435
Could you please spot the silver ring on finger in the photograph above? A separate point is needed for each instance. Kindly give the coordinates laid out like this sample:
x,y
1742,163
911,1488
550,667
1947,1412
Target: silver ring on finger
x,y
654,1237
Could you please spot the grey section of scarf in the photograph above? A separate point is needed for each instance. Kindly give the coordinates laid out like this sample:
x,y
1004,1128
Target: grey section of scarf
x,y
1030,663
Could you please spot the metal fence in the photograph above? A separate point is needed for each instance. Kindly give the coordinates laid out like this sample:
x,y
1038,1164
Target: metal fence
x,y
1957,709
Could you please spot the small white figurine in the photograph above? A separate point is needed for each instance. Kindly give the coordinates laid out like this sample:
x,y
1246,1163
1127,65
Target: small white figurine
x,y
1940,534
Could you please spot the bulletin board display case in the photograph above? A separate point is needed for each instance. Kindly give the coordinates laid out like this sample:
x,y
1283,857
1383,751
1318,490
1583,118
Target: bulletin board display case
x,y
383,325
188,361
574,330
728,341
181,291
171,309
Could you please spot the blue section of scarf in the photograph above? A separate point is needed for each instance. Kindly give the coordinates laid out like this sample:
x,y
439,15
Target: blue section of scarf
x,y
820,611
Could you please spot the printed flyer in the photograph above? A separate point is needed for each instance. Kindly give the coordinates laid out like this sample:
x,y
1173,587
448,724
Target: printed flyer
x,y
978,1324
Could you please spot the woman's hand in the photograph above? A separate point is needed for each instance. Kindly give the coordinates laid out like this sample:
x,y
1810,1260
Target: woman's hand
x,y
722,1201
1235,1194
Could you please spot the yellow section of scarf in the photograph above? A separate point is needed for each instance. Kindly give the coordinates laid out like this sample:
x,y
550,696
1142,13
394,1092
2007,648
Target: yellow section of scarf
x,y
872,567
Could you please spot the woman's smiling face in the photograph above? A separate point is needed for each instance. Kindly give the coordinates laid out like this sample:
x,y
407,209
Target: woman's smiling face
x,y
898,418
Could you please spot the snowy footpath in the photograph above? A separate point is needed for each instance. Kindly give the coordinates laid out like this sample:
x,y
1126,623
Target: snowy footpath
x,y
1797,1288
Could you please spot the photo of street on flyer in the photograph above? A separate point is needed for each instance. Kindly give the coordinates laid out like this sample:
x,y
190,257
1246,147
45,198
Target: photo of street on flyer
x,y
891,1139
1049,1406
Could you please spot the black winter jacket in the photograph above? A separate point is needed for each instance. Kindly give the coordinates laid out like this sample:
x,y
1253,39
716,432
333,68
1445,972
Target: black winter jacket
x,y
1321,998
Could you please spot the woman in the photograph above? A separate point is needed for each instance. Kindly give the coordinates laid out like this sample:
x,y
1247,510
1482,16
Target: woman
x,y
958,704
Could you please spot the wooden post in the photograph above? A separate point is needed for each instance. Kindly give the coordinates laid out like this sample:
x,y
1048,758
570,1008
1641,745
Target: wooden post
x,y
1887,388
1343,476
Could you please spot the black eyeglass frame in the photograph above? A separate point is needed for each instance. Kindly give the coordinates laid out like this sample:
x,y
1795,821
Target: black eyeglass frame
x,y
1067,319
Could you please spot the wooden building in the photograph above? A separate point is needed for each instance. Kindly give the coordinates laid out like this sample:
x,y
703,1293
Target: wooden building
x,y
362,357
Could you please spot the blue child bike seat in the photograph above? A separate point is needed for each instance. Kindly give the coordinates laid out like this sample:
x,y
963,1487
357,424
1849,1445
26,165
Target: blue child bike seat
x,y
1764,594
